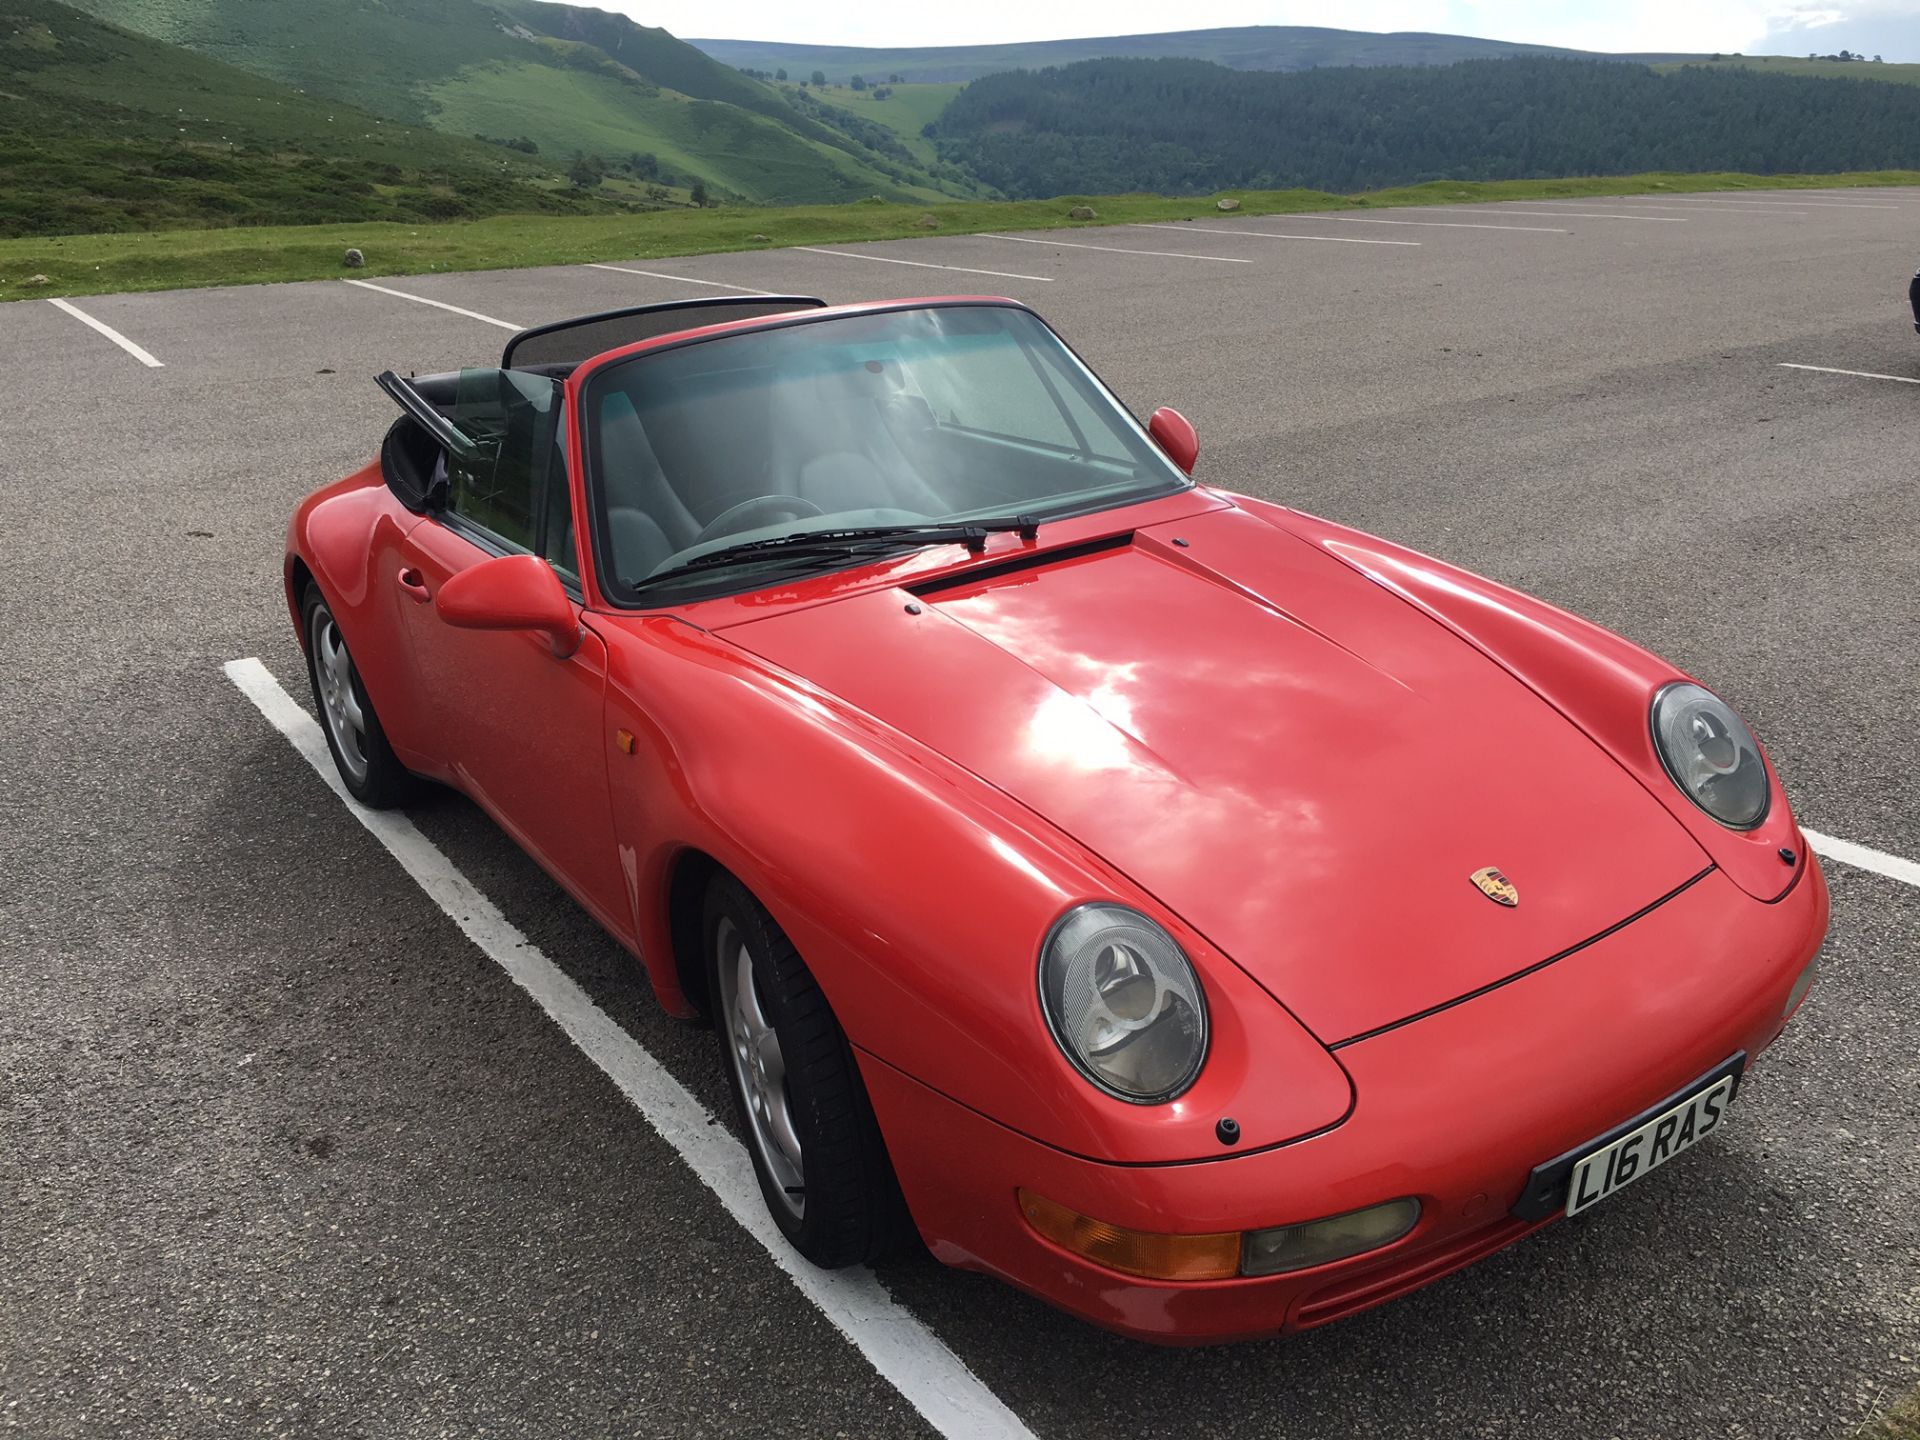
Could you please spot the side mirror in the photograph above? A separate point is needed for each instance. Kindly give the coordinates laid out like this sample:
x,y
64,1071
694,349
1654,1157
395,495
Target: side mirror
x,y
1174,433
511,592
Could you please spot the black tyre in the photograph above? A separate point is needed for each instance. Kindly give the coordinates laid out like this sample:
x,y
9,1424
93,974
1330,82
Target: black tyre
x,y
372,773
810,1128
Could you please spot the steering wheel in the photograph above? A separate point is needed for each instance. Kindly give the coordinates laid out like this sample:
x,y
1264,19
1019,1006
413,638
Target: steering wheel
x,y
790,507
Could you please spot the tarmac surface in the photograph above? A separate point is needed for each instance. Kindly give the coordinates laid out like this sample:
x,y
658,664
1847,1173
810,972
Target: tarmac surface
x,y
283,1152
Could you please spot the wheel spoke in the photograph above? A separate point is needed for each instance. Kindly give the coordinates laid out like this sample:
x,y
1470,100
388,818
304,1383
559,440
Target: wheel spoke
x,y
746,996
336,655
772,1063
350,709
780,1125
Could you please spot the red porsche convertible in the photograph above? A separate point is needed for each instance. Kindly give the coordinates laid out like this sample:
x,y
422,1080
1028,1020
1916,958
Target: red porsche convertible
x,y
1206,917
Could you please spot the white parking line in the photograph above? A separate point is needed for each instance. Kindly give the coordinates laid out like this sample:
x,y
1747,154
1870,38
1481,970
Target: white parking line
x,y
1431,224
1778,204
437,304
1859,374
679,279
1115,249
1554,214
1861,857
112,334
921,264
908,1355
1268,234
1699,209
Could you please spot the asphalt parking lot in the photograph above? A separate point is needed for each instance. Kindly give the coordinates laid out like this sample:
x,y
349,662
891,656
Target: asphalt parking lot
x,y
283,1150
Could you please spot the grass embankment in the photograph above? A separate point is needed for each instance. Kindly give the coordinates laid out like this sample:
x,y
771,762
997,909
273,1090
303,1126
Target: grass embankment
x,y
178,259
1902,1422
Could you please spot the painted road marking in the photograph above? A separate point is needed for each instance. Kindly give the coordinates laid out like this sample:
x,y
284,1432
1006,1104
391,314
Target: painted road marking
x,y
112,334
1741,200
908,1355
1115,249
921,264
1701,209
1269,234
1860,374
437,304
1861,857
1430,224
678,279
1554,214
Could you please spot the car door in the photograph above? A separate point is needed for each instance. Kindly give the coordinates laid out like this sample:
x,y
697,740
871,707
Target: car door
x,y
520,729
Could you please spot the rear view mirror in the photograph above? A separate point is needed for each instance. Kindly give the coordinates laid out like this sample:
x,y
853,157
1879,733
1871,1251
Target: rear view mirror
x,y
1174,433
511,592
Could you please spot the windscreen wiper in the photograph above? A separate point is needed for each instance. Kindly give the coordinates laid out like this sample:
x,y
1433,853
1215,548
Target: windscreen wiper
x,y
850,541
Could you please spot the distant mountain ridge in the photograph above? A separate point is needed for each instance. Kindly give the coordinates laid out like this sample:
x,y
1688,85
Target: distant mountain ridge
x,y
1187,127
1242,47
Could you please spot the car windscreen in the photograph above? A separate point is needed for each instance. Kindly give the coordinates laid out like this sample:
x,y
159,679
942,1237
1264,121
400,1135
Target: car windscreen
x,y
925,415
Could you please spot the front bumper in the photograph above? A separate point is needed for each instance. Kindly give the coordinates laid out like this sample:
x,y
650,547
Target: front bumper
x,y
1456,1109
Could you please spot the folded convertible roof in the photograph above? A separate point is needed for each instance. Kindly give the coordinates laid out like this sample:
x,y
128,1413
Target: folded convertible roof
x,y
566,343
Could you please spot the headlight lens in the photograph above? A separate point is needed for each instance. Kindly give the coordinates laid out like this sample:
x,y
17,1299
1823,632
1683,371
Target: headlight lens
x,y
1711,755
1123,1003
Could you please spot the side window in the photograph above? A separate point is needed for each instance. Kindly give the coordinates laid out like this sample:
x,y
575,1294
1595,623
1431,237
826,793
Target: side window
x,y
512,485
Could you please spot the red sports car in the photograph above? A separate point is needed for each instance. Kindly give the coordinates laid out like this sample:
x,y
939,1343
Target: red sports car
x,y
1206,917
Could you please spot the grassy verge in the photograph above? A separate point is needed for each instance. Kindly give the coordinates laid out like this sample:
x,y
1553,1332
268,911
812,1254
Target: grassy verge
x,y
179,259
1900,1423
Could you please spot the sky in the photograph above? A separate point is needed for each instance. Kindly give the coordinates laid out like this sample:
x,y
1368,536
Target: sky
x,y
1891,27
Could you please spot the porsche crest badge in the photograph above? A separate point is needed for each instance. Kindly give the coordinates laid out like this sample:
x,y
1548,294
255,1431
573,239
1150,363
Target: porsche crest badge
x,y
1496,887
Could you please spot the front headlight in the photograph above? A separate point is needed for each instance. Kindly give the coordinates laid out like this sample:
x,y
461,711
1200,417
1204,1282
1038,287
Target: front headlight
x,y
1711,755
1123,1003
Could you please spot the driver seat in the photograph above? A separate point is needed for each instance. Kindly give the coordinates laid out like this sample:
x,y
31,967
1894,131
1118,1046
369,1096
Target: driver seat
x,y
647,519
632,476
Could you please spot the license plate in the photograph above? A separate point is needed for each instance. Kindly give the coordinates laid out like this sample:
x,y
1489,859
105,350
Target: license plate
x,y
1620,1162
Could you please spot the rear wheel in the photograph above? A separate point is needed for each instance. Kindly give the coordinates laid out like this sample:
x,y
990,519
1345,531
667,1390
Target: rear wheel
x,y
373,774
816,1147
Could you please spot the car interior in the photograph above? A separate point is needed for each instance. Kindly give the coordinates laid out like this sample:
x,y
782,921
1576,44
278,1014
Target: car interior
x,y
744,442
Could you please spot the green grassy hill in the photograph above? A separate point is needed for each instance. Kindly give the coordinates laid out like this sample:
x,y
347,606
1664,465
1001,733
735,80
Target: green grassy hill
x,y
103,130
1798,65
1245,47
906,110
570,79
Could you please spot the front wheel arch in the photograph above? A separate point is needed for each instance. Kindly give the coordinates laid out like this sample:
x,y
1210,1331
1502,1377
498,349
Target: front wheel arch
x,y
690,874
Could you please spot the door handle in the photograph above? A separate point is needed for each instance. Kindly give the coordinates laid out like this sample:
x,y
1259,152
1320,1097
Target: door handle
x,y
415,584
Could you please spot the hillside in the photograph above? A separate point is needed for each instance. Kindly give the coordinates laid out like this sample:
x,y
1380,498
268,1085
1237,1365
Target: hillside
x,y
1187,127
105,130
571,80
1245,47
1801,65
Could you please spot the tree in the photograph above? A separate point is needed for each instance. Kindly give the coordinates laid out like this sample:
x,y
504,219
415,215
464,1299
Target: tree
x,y
893,79
1188,127
858,82
699,194
781,73
644,163
586,171
819,78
